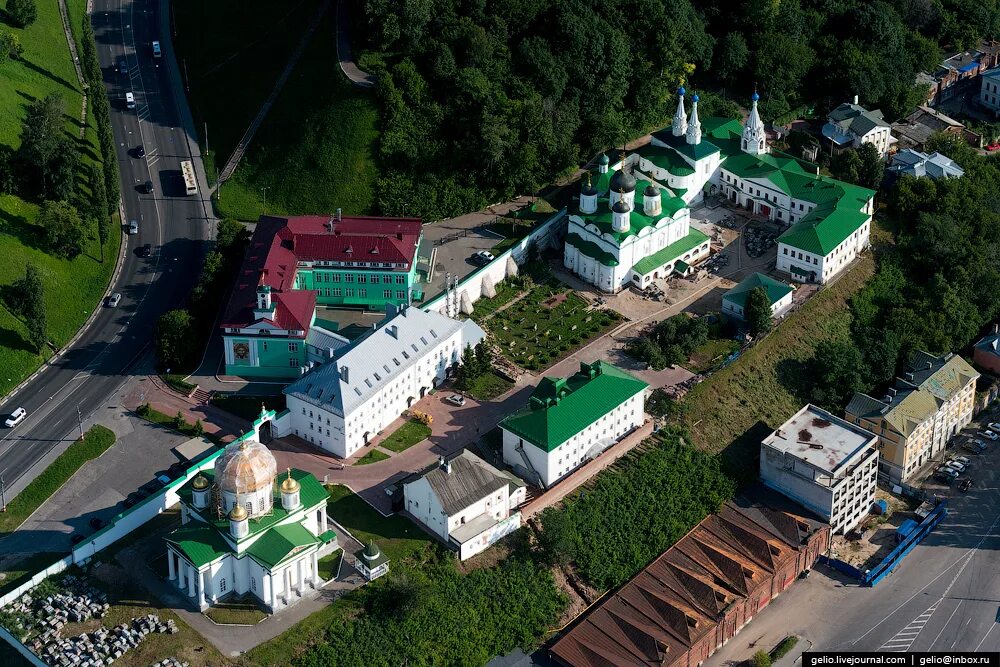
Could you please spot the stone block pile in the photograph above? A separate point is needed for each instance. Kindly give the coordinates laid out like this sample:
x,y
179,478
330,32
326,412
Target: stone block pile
x,y
102,646
169,662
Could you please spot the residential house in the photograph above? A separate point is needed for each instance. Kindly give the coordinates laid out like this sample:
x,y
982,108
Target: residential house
x,y
917,416
851,125
344,403
569,421
914,130
824,463
702,591
959,69
778,293
986,352
989,93
466,502
909,162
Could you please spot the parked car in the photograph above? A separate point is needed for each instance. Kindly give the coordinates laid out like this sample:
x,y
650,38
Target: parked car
x,y
114,300
965,485
132,499
964,460
16,417
177,469
995,427
151,487
133,227
482,258
956,466
950,473
140,151
147,187
146,250
97,523
455,399
989,435
945,476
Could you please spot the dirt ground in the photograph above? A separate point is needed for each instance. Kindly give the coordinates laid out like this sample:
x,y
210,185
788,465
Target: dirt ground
x,y
878,534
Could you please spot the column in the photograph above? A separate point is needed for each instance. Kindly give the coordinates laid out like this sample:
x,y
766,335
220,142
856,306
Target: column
x,y
201,589
265,590
190,576
301,574
287,574
315,564
170,565
269,579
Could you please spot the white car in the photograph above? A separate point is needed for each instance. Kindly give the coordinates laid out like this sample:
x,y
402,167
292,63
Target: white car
x,y
16,418
989,435
156,49
133,227
114,300
954,465
964,460
455,399
995,427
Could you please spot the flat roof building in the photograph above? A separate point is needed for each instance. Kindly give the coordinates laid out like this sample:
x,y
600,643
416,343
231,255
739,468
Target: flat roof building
x,y
824,463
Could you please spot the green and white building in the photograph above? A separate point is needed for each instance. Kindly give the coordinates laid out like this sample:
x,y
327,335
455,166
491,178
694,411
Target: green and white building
x,y
778,293
294,265
569,421
244,530
616,238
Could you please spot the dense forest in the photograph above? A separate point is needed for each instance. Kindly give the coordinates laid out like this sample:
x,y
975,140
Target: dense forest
x,y
484,100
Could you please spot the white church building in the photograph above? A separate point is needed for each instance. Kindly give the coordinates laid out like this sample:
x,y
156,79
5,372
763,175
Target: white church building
x,y
616,238
341,405
244,530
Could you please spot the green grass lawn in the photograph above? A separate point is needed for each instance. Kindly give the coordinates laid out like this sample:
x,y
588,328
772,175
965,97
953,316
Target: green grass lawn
x,y
406,436
488,386
397,537
237,611
24,569
711,353
506,292
374,456
96,441
248,407
328,565
316,150
73,287
547,325
738,405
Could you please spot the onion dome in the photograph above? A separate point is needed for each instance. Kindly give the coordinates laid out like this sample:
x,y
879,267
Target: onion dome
x,y
623,181
237,513
681,91
200,483
289,485
694,98
755,96
620,207
371,551
246,467
588,188
651,191
604,159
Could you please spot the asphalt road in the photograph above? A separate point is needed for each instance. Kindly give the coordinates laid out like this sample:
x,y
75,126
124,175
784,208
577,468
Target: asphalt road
x,y
118,343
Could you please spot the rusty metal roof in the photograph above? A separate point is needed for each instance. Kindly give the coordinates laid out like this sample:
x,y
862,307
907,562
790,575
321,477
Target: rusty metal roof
x,y
669,606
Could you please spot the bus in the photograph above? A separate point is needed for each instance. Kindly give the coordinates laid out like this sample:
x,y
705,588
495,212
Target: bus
x,y
190,182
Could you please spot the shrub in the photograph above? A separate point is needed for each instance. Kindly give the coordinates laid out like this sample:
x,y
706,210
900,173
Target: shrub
x,y
782,649
760,659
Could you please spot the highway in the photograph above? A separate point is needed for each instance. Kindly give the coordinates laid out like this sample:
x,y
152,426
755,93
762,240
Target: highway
x,y
118,342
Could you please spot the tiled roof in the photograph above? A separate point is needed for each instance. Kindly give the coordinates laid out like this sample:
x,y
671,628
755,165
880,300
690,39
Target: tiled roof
x,y
470,480
665,255
200,543
667,608
560,408
357,239
775,289
990,344
857,119
281,542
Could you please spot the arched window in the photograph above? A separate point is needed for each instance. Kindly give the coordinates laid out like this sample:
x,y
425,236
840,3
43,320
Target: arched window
x,y
260,505
761,144
253,584
222,585
249,507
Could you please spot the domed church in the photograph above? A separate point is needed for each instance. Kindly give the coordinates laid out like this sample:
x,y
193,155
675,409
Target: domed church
x,y
247,529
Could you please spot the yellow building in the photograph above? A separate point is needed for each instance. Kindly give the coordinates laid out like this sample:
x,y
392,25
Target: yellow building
x,y
914,420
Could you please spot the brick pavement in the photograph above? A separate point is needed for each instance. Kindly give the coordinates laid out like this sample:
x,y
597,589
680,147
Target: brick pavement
x,y
150,389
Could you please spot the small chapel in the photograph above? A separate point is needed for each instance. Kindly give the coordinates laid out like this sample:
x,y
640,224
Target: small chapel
x,y
247,529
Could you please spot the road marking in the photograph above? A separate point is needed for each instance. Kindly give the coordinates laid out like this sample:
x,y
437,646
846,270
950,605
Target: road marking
x,y
904,639
944,627
976,650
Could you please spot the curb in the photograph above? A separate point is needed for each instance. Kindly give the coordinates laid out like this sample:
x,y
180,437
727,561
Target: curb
x,y
120,262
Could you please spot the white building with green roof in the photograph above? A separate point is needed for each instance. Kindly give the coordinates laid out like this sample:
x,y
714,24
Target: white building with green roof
x,y
615,239
569,421
778,293
245,531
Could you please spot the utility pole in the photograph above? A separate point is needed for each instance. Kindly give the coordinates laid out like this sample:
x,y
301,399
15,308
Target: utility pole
x,y
206,138
264,190
3,495
79,418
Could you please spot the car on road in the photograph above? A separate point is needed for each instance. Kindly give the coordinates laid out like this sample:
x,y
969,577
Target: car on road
x,y
129,100
989,435
76,539
123,65
156,49
16,417
97,523
133,226
146,250
455,399
965,485
482,258
147,187
140,151
114,300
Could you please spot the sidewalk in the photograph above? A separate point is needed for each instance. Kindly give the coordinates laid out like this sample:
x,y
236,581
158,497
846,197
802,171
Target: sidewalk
x,y
150,389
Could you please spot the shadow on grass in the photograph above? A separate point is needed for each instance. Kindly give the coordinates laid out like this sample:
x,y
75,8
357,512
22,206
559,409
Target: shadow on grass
x,y
46,73
18,226
13,340
740,457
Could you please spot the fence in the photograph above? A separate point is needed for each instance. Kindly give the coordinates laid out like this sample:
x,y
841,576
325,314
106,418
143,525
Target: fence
x,y
889,563
841,566
470,289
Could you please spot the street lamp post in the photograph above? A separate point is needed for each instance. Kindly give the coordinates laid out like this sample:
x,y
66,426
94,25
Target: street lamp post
x,y
264,190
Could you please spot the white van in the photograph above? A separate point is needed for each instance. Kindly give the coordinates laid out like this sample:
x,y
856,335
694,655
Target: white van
x,y
129,101
156,49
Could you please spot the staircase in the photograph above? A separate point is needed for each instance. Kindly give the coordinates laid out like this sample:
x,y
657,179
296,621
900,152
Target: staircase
x,y
203,397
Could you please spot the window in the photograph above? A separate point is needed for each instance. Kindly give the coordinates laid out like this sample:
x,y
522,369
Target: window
x,y
293,362
222,585
363,293
263,345
336,278
350,292
293,347
348,277
387,293
260,505
253,584
400,295
375,279
784,251
337,291
400,280
249,508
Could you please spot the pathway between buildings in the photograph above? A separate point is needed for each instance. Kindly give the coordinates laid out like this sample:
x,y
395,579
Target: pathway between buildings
x,y
234,159
357,76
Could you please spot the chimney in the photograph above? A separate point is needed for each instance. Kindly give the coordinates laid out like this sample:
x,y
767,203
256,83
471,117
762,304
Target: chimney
x,y
340,217
447,468
393,331
855,101
399,236
344,374
441,461
329,226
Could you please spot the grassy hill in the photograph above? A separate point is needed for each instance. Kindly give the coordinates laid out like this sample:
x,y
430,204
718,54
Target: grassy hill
x,y
73,287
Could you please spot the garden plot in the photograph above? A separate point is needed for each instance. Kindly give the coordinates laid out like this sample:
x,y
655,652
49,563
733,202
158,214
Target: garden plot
x,y
546,325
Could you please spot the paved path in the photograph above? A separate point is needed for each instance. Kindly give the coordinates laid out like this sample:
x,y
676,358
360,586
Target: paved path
x,y
350,69
241,147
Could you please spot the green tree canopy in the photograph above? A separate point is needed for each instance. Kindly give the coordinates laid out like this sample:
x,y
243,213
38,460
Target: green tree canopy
x,y
28,296
758,312
22,13
174,333
837,372
65,231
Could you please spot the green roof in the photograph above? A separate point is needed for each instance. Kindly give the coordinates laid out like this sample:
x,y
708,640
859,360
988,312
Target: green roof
x,y
602,182
311,495
200,543
281,542
693,152
775,289
327,536
821,232
591,249
560,408
681,266
677,249
603,217
666,158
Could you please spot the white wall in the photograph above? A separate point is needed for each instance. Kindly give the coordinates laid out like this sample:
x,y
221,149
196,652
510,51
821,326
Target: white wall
x,y
989,92
423,503
490,536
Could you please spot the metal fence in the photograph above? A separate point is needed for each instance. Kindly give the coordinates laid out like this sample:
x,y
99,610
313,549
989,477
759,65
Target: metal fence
x,y
889,563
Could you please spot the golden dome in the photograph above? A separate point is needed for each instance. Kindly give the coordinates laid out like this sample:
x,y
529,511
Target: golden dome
x,y
289,485
238,513
200,483
245,468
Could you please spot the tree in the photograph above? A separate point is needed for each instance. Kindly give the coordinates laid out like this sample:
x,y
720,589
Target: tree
x,y
179,421
97,204
22,12
484,358
846,166
199,428
230,239
837,371
10,46
872,167
758,311
467,369
42,137
29,301
174,331
731,57
64,230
